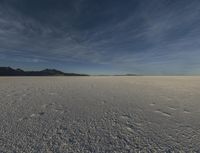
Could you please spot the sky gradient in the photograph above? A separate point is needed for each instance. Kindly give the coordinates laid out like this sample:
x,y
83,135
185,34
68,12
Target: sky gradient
x,y
149,37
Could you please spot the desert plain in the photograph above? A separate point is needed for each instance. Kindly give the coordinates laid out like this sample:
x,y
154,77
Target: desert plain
x,y
107,114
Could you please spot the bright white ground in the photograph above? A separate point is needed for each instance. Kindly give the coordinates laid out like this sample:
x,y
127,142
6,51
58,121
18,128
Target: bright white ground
x,y
99,114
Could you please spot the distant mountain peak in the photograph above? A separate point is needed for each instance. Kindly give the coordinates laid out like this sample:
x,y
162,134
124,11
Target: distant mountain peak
x,y
8,71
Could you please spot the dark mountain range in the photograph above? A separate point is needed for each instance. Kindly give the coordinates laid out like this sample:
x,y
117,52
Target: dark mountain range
x,y
8,71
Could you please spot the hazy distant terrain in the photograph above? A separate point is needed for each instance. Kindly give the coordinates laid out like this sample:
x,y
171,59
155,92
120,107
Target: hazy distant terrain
x,y
8,71
99,114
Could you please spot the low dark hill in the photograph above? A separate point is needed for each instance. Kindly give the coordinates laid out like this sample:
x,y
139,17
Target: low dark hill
x,y
8,71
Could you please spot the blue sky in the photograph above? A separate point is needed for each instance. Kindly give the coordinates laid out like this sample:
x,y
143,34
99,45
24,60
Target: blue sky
x,y
150,37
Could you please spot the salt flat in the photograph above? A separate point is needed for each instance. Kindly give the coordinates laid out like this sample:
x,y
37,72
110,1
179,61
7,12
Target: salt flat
x,y
99,114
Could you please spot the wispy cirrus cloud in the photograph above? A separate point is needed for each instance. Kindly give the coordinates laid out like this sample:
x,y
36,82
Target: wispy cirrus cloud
x,y
148,37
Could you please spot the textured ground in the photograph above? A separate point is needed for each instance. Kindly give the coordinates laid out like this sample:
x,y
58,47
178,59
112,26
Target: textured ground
x,y
99,114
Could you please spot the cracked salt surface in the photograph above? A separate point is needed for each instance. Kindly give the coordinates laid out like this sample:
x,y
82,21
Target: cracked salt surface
x,y
99,114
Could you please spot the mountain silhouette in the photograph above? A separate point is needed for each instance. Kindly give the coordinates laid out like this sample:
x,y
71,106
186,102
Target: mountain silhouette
x,y
8,71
